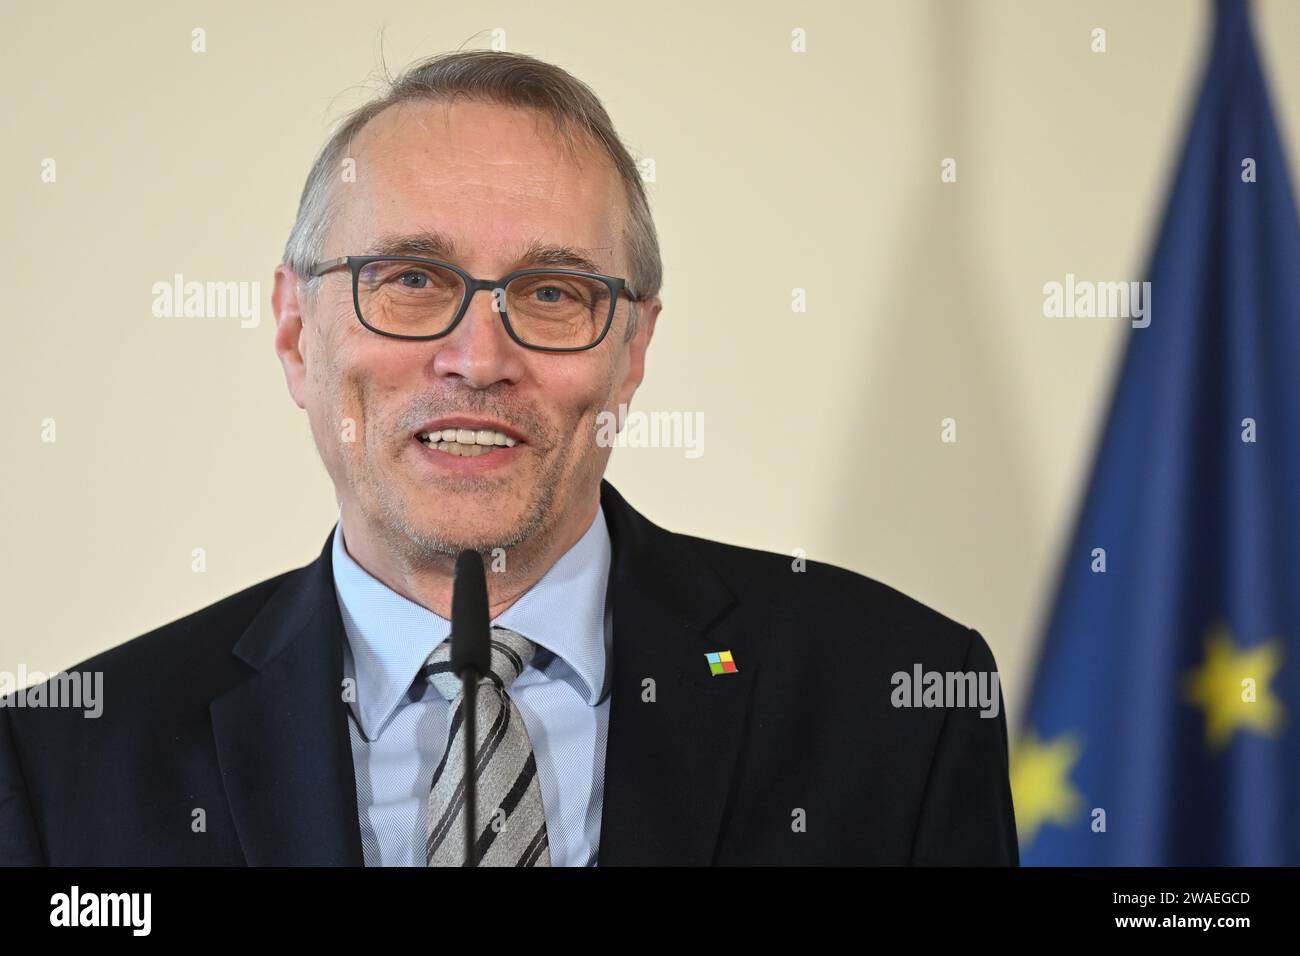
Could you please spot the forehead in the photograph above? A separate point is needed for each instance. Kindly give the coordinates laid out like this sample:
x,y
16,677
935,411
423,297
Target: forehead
x,y
492,179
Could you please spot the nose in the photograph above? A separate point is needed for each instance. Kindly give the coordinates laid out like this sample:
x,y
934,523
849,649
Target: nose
x,y
479,350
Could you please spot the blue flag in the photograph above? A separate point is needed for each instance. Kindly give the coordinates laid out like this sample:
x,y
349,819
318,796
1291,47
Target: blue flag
x,y
1164,722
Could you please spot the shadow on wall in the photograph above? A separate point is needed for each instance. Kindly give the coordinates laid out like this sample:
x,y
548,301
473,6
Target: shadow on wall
x,y
939,359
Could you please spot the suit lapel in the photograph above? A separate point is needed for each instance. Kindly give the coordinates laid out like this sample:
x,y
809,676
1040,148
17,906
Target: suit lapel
x,y
282,735
670,764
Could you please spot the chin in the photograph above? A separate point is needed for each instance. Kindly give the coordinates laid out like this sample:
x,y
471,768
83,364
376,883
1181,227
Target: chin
x,y
453,535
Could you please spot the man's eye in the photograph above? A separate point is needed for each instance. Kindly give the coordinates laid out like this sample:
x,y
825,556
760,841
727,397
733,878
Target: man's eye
x,y
414,280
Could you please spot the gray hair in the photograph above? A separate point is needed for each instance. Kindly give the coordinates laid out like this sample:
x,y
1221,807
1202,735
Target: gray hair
x,y
508,79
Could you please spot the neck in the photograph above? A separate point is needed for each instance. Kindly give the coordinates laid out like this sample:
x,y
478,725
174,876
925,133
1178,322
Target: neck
x,y
430,584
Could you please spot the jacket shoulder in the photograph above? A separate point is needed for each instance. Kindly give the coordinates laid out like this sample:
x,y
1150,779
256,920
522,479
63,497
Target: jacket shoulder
x,y
834,603
209,631
175,668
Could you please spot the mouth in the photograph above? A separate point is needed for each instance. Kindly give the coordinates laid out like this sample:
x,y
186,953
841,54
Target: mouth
x,y
466,438
466,443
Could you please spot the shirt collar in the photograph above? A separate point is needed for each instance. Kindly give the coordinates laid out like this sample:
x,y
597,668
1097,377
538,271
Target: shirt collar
x,y
390,637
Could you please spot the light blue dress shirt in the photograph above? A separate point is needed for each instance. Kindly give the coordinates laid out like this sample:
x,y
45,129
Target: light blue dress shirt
x,y
399,726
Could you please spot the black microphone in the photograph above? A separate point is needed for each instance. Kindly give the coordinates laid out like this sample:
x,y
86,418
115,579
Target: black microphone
x,y
471,659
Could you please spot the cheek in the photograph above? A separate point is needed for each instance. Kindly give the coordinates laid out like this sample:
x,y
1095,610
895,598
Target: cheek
x,y
339,376
605,394
577,391
586,396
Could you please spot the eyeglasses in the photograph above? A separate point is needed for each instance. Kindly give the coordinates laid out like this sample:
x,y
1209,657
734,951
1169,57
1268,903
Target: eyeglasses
x,y
551,310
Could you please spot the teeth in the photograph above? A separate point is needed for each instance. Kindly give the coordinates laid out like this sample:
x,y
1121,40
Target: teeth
x,y
467,442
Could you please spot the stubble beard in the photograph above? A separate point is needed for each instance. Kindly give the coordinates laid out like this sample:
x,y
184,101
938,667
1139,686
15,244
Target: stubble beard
x,y
413,546
417,547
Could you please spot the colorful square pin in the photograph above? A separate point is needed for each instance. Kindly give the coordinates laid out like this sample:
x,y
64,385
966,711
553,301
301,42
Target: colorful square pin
x,y
720,662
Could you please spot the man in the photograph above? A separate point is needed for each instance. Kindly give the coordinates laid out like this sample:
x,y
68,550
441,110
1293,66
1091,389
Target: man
x,y
655,698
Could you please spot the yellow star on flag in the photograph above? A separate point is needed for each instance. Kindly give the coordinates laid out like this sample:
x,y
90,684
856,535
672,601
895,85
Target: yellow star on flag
x,y
1232,687
1040,782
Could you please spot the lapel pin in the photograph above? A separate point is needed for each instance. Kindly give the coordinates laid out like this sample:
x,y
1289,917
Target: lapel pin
x,y
720,662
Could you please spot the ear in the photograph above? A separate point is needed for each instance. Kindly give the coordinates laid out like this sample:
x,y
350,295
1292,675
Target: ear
x,y
286,304
648,314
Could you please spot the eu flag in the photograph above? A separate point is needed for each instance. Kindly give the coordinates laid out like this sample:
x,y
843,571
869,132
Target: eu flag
x,y
1163,724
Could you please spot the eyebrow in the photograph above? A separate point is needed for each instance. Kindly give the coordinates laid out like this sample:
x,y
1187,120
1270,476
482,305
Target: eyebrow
x,y
437,245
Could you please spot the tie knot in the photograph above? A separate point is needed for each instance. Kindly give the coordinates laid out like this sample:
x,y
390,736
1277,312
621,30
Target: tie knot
x,y
511,653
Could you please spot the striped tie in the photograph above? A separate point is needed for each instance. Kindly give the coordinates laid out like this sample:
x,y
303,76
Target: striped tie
x,y
510,817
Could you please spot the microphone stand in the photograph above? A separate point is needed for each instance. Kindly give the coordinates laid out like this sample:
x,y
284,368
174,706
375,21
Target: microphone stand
x,y
471,660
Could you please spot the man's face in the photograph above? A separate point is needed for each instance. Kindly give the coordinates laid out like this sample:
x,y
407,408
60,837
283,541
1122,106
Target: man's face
x,y
495,184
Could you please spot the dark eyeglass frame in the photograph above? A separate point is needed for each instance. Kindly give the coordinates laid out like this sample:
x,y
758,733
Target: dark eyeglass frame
x,y
617,287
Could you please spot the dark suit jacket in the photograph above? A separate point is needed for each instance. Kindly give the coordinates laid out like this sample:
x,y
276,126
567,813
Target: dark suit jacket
x,y
799,757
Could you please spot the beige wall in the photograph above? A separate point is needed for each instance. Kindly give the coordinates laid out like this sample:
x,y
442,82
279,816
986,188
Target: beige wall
x,y
774,170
